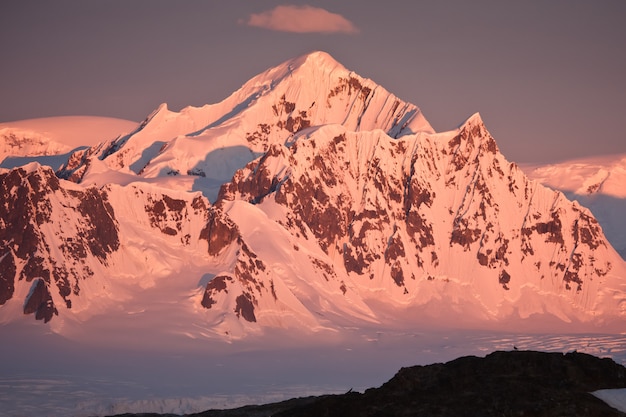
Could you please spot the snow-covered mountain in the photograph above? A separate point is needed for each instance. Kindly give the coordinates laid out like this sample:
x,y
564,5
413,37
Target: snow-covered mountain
x,y
55,135
597,183
50,136
206,145
311,199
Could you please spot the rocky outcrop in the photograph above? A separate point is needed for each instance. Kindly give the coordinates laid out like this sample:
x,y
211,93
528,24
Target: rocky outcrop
x,y
51,233
249,282
39,301
502,383
515,383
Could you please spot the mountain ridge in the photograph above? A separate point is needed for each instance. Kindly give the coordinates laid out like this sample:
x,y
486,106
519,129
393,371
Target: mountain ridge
x,y
265,110
311,198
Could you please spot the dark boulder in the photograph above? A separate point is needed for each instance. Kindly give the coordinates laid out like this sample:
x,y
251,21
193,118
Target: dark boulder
x,y
39,301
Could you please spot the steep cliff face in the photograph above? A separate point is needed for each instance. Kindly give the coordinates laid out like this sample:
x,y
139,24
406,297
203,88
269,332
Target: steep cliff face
x,y
430,216
334,205
52,233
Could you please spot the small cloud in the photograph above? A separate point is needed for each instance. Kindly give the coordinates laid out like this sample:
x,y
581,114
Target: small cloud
x,y
301,19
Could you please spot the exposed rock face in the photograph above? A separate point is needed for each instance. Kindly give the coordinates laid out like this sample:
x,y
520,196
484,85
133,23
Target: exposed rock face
x,y
517,383
39,301
51,233
216,285
7,277
219,232
79,162
250,282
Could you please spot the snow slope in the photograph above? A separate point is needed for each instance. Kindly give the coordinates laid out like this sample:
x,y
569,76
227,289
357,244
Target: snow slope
x,y
211,142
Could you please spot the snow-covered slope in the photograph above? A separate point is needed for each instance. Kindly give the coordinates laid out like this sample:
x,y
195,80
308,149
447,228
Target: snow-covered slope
x,y
311,200
210,143
597,183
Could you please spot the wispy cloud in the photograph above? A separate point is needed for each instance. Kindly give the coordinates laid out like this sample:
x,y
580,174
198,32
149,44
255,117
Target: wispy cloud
x,y
301,19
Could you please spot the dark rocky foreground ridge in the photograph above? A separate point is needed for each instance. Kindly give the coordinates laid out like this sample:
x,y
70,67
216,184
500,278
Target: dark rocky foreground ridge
x,y
515,383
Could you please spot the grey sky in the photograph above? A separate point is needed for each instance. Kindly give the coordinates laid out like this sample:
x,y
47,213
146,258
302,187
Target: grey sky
x,y
546,76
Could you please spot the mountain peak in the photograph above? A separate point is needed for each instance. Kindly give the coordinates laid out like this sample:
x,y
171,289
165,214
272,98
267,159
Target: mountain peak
x,y
162,109
320,58
474,120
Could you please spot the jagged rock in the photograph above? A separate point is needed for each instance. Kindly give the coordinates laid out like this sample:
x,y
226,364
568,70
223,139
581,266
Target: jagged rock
x,y
51,221
39,301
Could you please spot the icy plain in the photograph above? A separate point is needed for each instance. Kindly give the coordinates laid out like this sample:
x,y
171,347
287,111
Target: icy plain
x,y
45,374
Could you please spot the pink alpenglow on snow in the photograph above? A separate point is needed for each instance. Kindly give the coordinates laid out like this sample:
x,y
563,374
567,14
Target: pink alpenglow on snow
x,y
310,200
310,227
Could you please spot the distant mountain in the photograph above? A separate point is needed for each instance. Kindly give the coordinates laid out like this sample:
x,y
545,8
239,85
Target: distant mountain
x,y
23,140
311,200
596,183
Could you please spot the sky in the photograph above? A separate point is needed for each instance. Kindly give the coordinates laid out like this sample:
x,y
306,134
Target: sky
x,y
548,77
